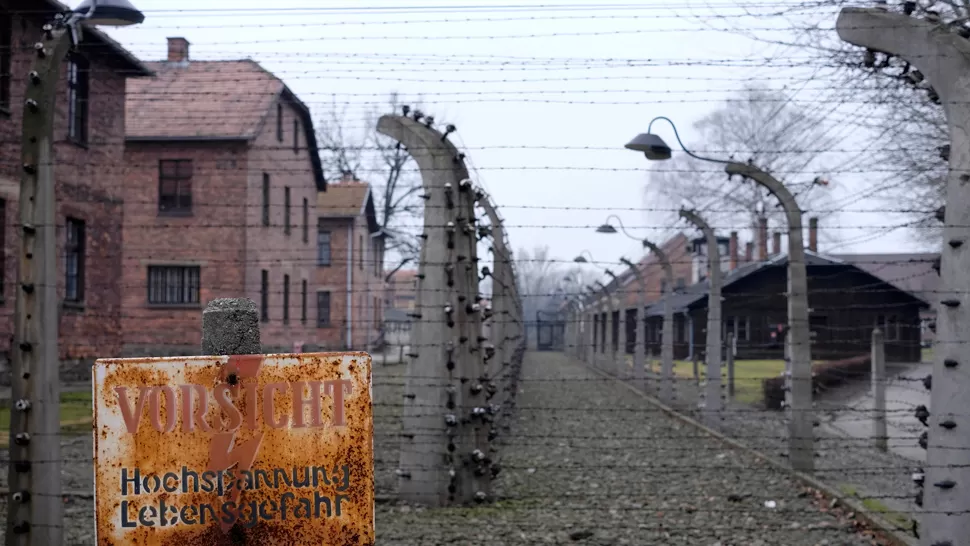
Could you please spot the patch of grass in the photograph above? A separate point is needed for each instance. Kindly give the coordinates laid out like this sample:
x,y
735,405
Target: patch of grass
x,y
75,417
877,507
747,376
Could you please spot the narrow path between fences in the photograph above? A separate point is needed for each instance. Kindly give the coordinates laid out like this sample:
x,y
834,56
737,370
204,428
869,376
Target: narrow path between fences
x,y
588,461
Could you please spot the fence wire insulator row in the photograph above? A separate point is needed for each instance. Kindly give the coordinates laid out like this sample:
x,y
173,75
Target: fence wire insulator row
x,y
466,350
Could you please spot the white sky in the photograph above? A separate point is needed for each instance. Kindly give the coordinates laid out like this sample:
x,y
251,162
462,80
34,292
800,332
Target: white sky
x,y
529,77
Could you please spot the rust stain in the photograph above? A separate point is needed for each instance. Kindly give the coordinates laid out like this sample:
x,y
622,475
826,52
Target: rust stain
x,y
220,451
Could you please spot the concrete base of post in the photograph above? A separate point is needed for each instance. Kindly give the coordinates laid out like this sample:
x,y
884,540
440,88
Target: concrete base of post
x,y
230,326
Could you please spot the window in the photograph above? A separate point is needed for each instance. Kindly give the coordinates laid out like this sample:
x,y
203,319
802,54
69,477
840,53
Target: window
x,y
306,221
286,299
743,326
663,286
303,303
279,122
287,224
175,185
173,285
78,72
6,54
681,283
264,296
296,136
360,253
323,246
323,309
265,199
74,261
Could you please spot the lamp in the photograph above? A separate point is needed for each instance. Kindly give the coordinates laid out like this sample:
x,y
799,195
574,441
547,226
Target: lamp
x,y
655,149
651,145
606,228
115,13
580,260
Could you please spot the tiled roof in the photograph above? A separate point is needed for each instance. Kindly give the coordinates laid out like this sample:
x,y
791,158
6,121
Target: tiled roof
x,y
698,292
200,100
343,200
912,272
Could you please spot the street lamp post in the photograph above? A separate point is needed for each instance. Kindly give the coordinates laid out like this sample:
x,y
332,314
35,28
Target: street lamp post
x,y
942,54
35,471
712,392
800,426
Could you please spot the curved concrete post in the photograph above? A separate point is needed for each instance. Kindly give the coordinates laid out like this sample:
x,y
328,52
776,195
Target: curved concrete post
x,y
439,451
502,295
639,341
944,58
667,333
712,392
799,363
607,327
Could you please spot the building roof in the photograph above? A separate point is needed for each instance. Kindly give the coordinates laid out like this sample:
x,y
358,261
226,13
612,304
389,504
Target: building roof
x,y
912,272
93,40
696,293
347,200
210,101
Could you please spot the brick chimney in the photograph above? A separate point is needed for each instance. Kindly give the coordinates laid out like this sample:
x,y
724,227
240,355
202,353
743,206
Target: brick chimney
x,y
348,177
813,234
733,251
748,252
776,243
178,50
762,238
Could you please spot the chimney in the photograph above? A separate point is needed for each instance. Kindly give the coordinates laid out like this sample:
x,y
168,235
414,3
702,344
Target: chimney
x,y
813,234
733,250
776,243
178,50
748,252
348,177
762,239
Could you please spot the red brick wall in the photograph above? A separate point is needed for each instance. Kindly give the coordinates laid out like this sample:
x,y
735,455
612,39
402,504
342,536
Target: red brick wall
x,y
366,287
88,187
270,247
212,237
677,250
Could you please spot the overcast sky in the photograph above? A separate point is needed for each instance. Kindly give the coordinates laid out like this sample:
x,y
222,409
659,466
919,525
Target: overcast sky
x,y
544,94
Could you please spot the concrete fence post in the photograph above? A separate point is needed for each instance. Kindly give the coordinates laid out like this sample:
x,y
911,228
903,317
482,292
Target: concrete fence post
x,y
445,456
943,57
878,381
712,391
729,351
667,330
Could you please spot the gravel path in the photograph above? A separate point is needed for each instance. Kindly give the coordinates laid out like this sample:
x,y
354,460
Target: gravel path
x,y
882,480
587,462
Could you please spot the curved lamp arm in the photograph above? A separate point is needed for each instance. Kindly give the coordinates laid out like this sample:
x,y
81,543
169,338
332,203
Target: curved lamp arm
x,y
682,147
622,227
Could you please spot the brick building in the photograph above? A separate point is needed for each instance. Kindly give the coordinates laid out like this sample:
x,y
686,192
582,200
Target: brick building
x,y
350,267
224,173
89,130
402,290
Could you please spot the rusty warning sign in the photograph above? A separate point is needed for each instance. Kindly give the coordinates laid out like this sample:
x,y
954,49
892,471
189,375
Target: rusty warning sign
x,y
230,450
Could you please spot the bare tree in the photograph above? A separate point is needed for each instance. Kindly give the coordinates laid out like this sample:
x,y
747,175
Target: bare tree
x,y
395,184
542,281
759,124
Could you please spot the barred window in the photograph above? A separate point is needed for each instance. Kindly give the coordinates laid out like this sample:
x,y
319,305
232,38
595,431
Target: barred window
x,y
173,285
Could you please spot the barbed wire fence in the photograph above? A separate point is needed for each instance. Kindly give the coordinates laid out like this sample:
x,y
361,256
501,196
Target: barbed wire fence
x,y
562,446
